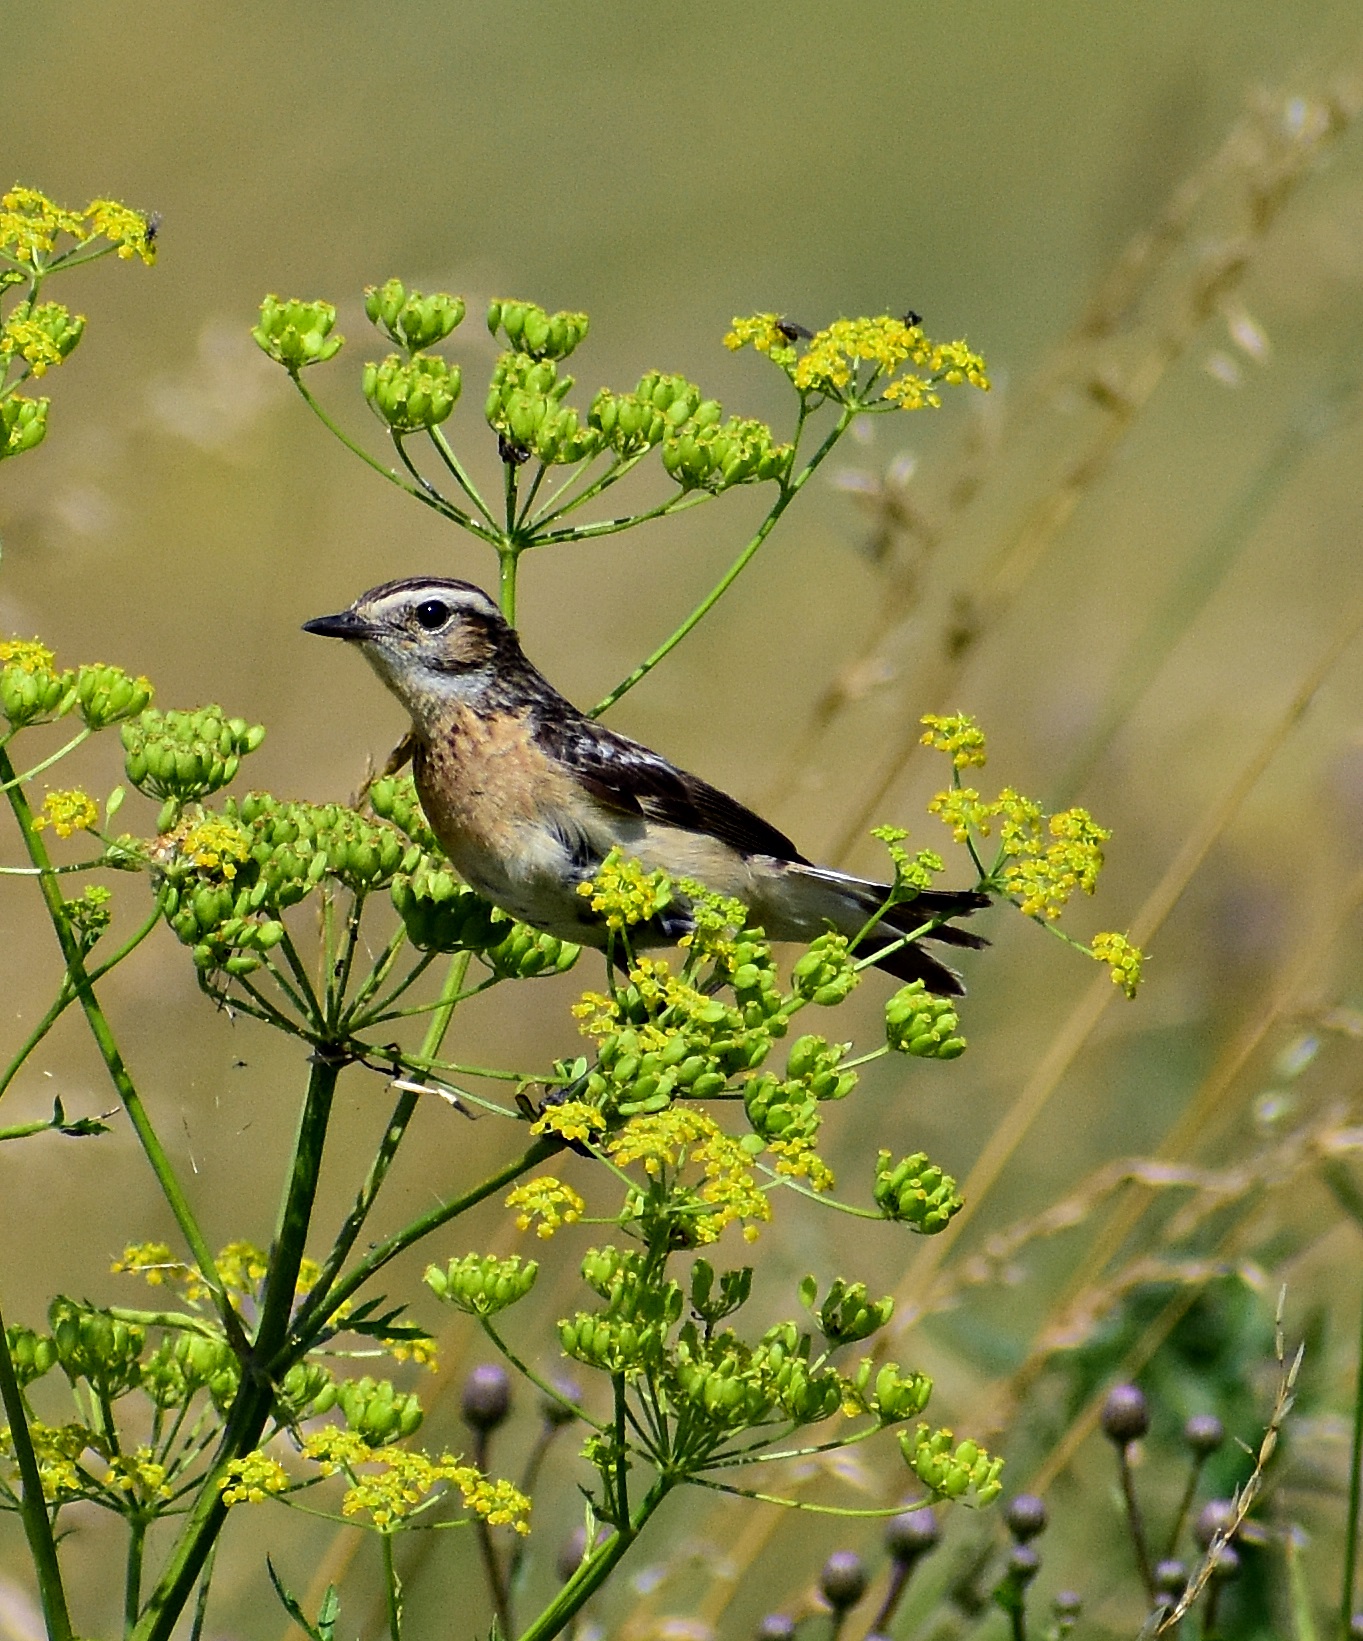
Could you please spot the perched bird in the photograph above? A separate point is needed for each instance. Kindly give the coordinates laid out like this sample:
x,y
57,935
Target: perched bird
x,y
527,795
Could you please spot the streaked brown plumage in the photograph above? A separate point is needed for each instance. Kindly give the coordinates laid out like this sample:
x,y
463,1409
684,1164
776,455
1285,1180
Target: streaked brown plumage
x,y
528,795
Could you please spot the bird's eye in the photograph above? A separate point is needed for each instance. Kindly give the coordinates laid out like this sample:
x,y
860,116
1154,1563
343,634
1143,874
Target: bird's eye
x,y
432,614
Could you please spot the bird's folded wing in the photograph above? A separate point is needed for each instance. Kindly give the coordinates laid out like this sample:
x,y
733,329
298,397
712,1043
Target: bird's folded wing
x,y
627,777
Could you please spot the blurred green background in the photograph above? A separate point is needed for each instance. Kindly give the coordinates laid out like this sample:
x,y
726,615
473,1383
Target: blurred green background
x,y
1136,552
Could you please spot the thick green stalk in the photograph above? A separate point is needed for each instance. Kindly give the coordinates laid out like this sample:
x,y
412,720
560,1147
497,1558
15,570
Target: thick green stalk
x,y
595,1570
403,1111
32,1505
251,1408
132,1583
789,491
79,978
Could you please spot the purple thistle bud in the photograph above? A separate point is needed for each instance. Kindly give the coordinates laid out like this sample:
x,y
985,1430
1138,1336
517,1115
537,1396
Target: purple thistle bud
x,y
1171,1578
912,1534
1204,1433
1026,1517
1067,1604
1023,1563
552,1410
1227,1564
1126,1415
1214,1517
843,1580
486,1400
776,1627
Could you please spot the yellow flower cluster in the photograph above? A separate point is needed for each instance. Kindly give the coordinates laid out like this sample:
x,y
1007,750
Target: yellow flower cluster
x,y
957,734
25,339
57,1449
28,654
138,1472
253,1479
396,1481
762,332
570,1120
1124,960
214,845
623,893
963,810
659,989
31,224
681,1135
548,1200
424,1352
69,811
1044,875
152,1260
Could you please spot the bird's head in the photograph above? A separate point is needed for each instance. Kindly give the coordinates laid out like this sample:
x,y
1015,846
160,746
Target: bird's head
x,y
434,641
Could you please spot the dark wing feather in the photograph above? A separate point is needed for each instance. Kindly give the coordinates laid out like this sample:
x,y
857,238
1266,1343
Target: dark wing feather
x,y
625,776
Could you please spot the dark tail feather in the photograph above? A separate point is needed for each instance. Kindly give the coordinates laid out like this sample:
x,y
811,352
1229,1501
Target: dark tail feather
x,y
911,962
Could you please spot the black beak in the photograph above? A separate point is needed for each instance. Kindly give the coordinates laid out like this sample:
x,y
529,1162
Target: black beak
x,y
345,625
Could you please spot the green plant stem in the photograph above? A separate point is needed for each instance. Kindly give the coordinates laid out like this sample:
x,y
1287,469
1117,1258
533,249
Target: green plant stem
x,y
315,1306
429,498
66,996
79,979
789,491
1355,1493
507,560
132,1582
456,515
251,1406
596,1568
32,1506
201,1600
295,1214
455,466
47,763
382,1252
392,1589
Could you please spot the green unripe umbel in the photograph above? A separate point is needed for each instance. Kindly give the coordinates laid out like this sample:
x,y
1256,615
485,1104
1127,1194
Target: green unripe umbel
x,y
412,320
376,1411
915,1191
23,424
108,695
297,334
411,394
920,1024
482,1284
530,330
182,757
32,1354
441,914
30,687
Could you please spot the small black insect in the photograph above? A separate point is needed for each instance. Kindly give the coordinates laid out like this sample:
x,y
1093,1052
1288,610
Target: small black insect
x,y
512,454
793,332
911,318
152,229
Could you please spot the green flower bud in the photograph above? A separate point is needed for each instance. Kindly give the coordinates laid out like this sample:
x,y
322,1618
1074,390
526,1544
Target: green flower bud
x,y
524,953
306,1392
482,1284
107,695
847,1313
62,328
393,798
209,1364
32,1354
441,915
952,1473
297,334
30,687
894,1396
409,395
376,1411
922,1025
703,454
530,330
412,321
92,1345
916,1192
23,424
735,1287
781,1110
826,973
182,757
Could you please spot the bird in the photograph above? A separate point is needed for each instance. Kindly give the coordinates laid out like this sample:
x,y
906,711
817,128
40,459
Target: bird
x,y
527,796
